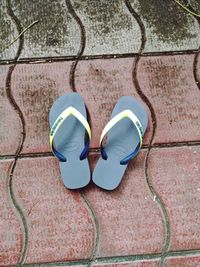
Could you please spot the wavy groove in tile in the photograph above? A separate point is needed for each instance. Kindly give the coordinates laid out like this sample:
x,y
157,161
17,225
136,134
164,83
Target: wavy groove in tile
x,y
11,236
168,27
169,83
175,176
81,44
60,227
141,263
56,34
35,88
130,222
7,34
184,261
102,83
110,29
9,119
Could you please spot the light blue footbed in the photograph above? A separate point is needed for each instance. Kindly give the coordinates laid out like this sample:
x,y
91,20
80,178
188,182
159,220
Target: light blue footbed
x,y
70,141
122,140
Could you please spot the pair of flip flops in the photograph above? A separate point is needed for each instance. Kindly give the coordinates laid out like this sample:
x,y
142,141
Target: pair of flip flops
x,y
68,122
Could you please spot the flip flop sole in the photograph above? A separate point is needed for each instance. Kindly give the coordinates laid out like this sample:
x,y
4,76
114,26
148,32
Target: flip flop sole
x,y
70,141
122,140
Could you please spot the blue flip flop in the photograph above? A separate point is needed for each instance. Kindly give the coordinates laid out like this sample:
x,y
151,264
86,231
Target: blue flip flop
x,y
125,133
68,122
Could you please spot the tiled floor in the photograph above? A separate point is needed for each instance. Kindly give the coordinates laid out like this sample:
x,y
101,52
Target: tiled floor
x,y
102,50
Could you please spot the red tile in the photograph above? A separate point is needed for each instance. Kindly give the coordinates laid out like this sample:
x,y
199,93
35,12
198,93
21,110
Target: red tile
x,y
141,263
130,222
11,236
35,88
175,176
184,261
9,119
102,83
168,82
59,225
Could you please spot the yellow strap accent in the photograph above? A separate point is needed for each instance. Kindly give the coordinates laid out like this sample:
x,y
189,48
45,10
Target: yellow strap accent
x,y
124,114
66,113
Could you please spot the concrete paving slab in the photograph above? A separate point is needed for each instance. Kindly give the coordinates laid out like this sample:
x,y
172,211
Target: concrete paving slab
x,y
7,33
35,87
60,227
184,261
10,124
174,173
109,28
126,215
56,33
11,229
142,263
167,26
169,84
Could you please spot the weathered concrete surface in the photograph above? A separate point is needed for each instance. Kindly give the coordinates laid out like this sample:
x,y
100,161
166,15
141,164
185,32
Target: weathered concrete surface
x,y
11,230
10,124
7,33
167,81
167,26
56,33
142,263
183,261
56,226
126,215
35,87
60,226
174,173
110,28
195,5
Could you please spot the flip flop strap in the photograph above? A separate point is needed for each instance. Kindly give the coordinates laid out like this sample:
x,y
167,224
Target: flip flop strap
x,y
122,115
61,118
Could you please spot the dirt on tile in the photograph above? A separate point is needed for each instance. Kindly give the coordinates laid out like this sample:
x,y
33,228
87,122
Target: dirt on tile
x,y
37,103
103,13
6,29
51,28
167,20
